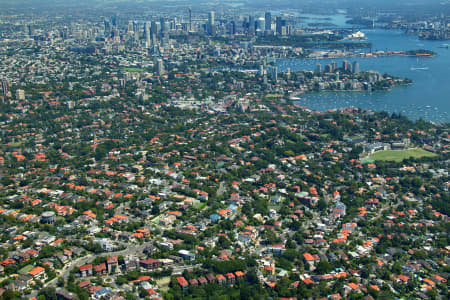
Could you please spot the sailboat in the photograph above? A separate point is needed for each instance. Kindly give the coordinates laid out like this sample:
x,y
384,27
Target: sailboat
x,y
417,67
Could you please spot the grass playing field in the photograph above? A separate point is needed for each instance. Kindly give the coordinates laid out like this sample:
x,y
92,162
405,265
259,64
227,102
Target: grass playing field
x,y
399,155
133,70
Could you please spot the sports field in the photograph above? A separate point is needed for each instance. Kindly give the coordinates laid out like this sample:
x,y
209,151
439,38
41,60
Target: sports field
x,y
399,155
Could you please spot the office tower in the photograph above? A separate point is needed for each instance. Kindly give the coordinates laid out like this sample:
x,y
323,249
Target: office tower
x,y
355,67
278,24
211,23
116,33
162,21
328,68
147,35
130,27
281,28
334,65
260,24
114,21
164,26
251,25
153,31
159,67
345,65
107,28
29,29
5,87
268,21
274,74
190,19
233,27
318,68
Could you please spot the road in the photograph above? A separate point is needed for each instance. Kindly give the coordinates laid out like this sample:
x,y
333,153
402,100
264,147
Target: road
x,y
65,272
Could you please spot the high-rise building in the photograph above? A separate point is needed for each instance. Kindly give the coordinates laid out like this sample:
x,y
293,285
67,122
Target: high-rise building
x,y
107,28
233,27
159,67
268,21
211,23
355,67
130,26
278,25
251,25
274,74
147,34
114,21
345,65
318,68
165,26
5,87
153,31
30,29
190,19
20,94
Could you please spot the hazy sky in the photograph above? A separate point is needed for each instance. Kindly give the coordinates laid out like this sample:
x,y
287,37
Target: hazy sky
x,y
263,3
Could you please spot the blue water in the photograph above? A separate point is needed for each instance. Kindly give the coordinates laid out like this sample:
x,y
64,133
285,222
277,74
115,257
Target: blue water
x,y
427,98
338,20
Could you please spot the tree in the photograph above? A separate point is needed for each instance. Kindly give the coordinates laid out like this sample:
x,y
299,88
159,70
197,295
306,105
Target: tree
x,y
60,281
9,295
48,292
323,267
322,205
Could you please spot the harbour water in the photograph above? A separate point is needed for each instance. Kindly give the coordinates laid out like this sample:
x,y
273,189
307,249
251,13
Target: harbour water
x,y
428,97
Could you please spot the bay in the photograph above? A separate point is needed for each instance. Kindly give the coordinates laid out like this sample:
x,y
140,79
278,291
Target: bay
x,y
427,98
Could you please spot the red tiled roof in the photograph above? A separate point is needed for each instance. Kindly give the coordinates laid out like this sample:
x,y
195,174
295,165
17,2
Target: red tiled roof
x,y
182,281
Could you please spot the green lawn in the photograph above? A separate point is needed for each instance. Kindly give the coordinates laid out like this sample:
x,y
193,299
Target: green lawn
x,y
399,155
200,206
26,269
133,70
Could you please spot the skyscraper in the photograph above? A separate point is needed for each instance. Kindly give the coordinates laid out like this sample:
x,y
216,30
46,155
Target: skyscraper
x,y
5,87
190,19
211,23
159,67
268,21
148,40
345,65
278,22
114,21
153,32
233,27
280,26
334,64
130,26
318,68
355,67
274,74
107,28
251,24
164,29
